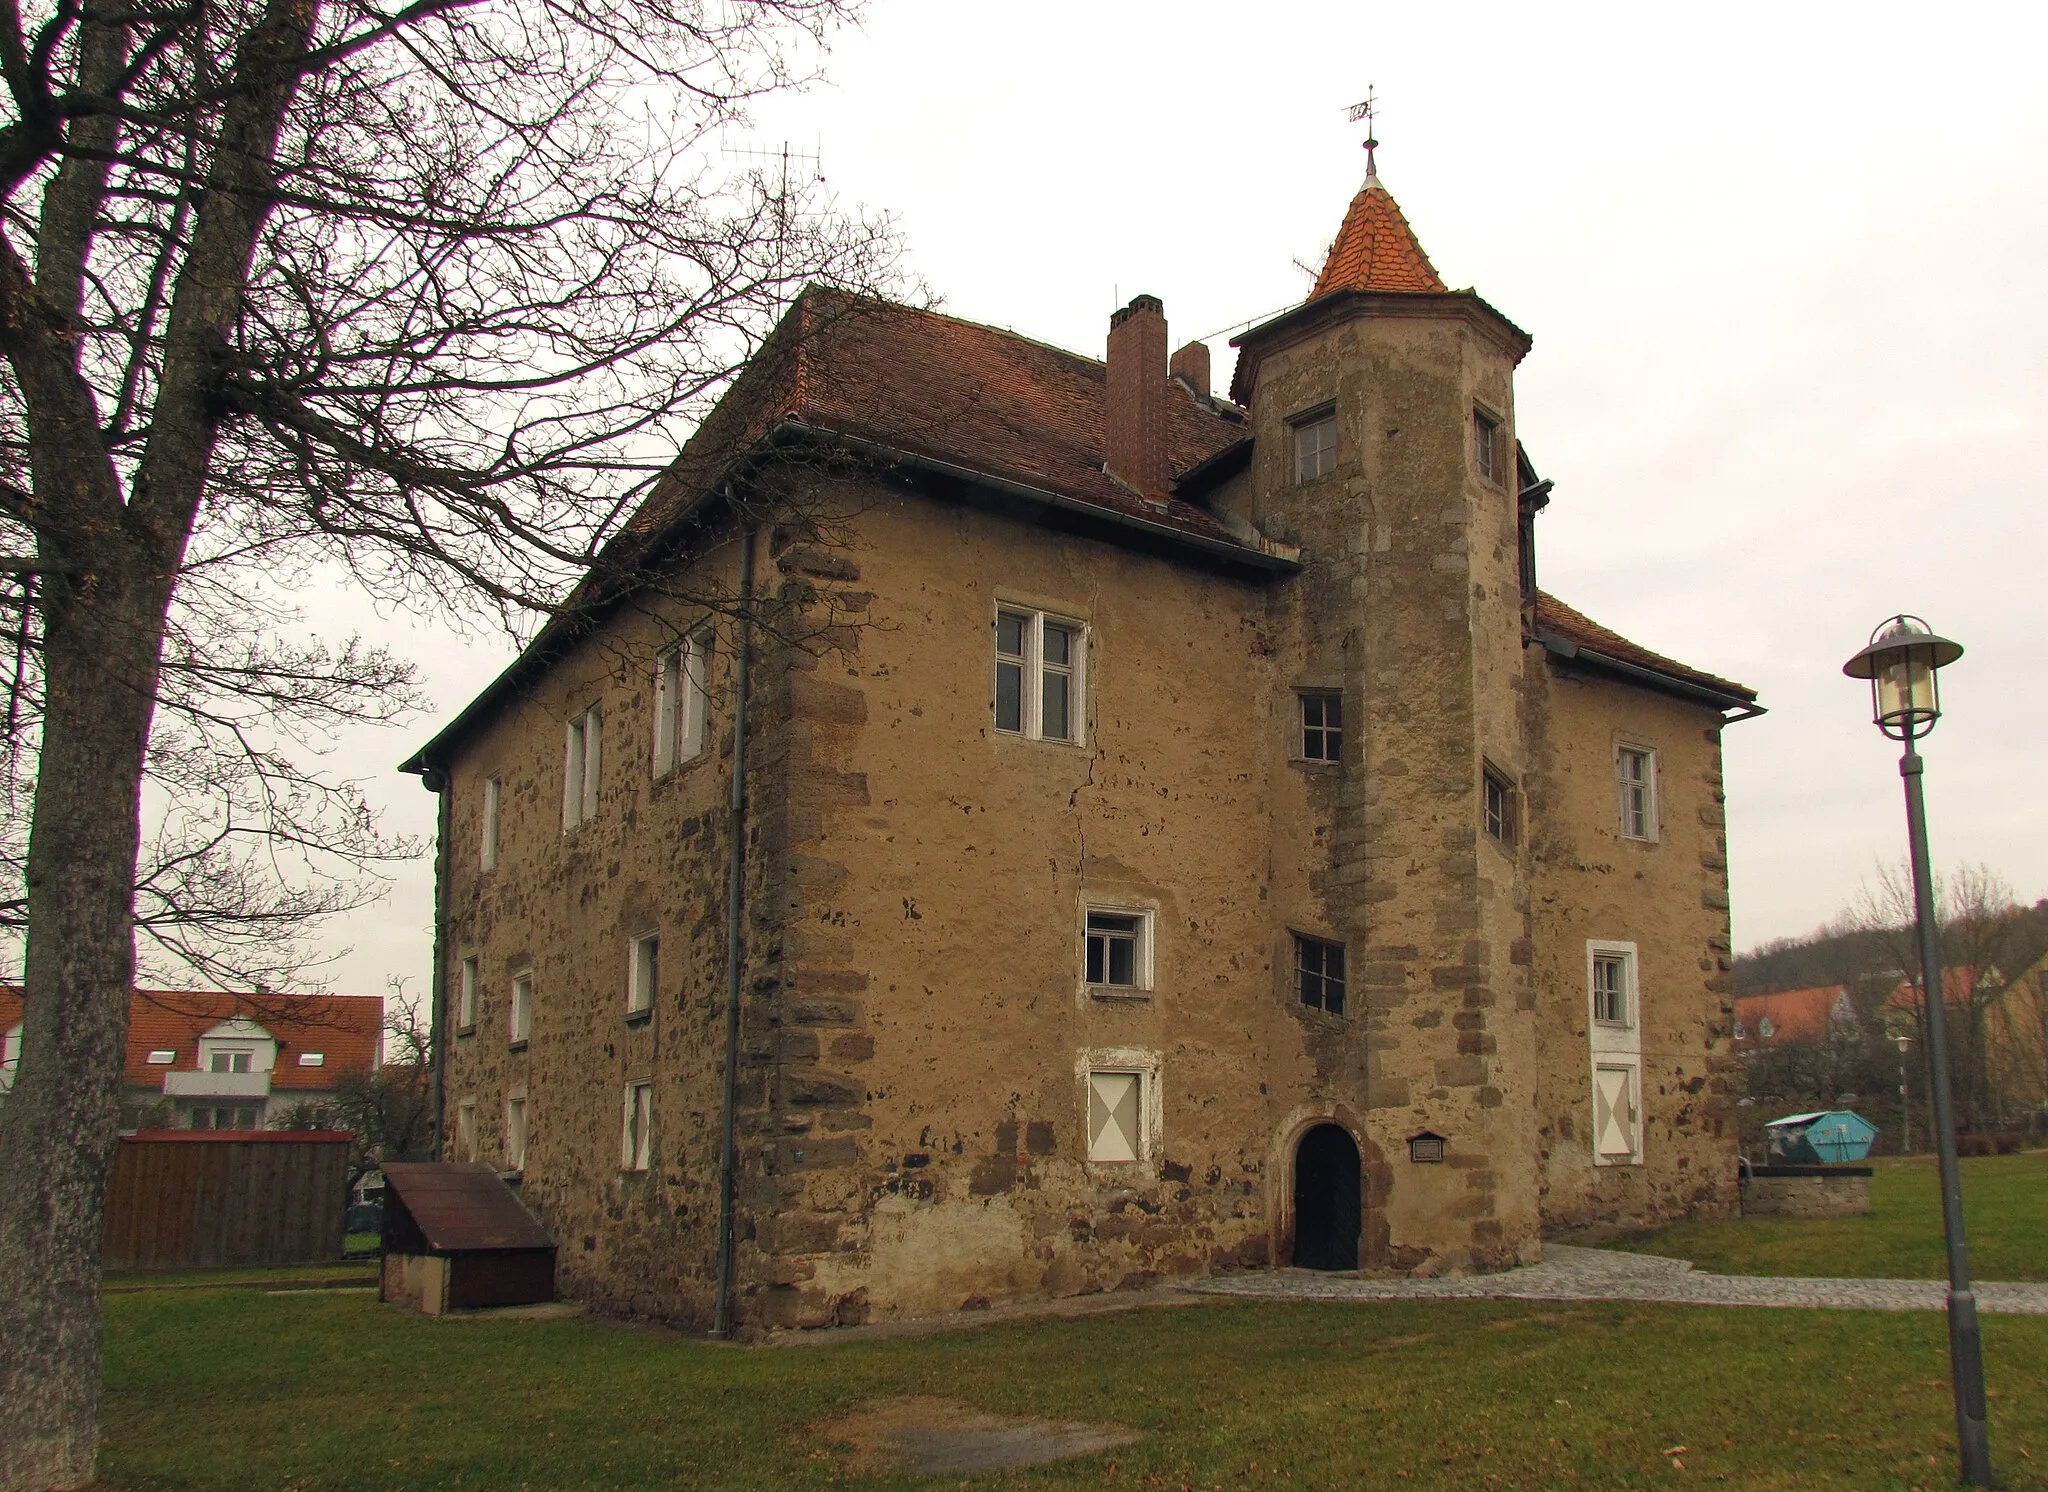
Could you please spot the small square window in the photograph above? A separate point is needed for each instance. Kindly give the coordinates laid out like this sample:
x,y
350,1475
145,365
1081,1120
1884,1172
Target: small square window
x,y
1038,676
1315,447
465,997
522,1009
636,1148
1635,770
580,768
643,973
1117,953
493,796
1499,808
1322,726
1319,973
1611,981
1485,445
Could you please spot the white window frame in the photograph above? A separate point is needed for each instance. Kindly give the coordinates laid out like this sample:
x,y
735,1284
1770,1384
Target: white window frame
x,y
1313,441
1626,788
246,1055
643,972
1141,954
582,767
10,1055
1613,1045
465,995
312,1059
1141,1064
1033,669
487,850
520,1026
636,1136
682,702
158,1057
465,1129
515,1132
1493,781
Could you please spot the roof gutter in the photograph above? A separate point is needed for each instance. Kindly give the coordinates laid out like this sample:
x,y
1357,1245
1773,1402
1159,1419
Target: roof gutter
x,y
1734,706
1263,554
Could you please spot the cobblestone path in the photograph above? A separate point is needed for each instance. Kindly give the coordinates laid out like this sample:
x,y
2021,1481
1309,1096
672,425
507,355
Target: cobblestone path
x,y
1568,1273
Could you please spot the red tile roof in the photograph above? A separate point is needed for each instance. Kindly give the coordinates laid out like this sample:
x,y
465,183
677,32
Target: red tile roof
x,y
1376,250
1794,1014
1560,620
346,1029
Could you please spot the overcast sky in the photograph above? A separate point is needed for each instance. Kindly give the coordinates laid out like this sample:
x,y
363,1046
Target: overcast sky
x,y
1784,268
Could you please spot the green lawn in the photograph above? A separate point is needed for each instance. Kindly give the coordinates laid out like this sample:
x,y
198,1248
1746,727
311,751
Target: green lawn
x,y
2005,1211
237,1389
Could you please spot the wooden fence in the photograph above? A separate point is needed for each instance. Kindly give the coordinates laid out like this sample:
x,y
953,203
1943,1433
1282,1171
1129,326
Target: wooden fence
x,y
202,1199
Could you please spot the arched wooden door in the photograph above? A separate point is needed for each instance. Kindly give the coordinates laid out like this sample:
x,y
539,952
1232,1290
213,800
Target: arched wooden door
x,y
1328,1205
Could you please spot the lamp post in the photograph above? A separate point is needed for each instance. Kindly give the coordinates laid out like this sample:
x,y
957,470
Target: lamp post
x,y
1905,1099
1901,662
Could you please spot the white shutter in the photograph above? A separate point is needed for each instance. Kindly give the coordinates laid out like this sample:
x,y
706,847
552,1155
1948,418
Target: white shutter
x,y
664,712
1614,1112
1113,1132
696,696
572,774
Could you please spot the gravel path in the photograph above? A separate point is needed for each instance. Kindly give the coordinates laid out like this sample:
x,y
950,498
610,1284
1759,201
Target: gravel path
x,y
1568,1273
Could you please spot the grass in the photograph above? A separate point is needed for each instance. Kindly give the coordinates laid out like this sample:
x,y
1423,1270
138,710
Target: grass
x,y
235,1389
2005,1212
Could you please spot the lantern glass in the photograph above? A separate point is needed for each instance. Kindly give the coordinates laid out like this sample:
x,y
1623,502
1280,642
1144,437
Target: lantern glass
x,y
1901,663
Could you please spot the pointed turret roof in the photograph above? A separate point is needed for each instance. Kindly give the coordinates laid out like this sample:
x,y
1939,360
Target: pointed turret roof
x,y
1376,249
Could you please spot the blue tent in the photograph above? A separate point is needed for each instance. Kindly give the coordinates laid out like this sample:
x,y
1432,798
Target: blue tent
x,y
1826,1137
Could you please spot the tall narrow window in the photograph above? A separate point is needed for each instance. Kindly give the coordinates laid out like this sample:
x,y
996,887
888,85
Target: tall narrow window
x,y
1498,807
1485,445
643,971
1319,973
465,1129
489,847
1115,1116
515,1134
1117,955
636,1147
1038,676
1635,768
682,702
522,1009
465,996
1315,447
580,769
1322,727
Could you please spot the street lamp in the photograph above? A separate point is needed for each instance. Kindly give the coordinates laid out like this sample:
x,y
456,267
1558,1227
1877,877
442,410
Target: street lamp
x,y
1905,701
1905,1098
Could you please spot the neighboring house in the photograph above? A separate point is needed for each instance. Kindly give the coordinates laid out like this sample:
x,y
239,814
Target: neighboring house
x,y
2017,1041
1793,1015
201,1059
1199,847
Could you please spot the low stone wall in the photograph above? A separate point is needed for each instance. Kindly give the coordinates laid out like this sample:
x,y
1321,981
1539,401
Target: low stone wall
x,y
1806,1191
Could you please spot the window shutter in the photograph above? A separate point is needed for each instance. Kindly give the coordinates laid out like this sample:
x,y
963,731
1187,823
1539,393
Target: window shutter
x,y
1614,1111
664,712
572,774
1112,1116
592,733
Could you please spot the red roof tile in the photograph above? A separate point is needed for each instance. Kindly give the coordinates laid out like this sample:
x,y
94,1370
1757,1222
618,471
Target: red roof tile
x,y
1559,620
1376,249
346,1030
1794,1014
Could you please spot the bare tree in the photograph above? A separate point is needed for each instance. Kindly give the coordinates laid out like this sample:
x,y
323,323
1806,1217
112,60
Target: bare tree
x,y
388,1110
288,289
1985,937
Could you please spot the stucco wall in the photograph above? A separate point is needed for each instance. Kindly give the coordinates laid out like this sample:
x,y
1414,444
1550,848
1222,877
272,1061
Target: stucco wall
x,y
1667,896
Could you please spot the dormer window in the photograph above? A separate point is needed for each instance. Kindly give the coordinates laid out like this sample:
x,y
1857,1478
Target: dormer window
x,y
1315,445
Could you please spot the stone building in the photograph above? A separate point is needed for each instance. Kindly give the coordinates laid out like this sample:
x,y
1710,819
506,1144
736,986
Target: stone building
x,y
1177,835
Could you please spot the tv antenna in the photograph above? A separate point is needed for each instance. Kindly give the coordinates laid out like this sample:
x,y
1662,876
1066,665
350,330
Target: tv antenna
x,y
1365,112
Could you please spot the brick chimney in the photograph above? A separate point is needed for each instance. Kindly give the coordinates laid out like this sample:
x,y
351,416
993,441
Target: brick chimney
x,y
1134,421
1191,366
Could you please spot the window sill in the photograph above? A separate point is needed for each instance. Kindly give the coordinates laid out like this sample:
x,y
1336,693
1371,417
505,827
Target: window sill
x,y
1332,1018
516,1046
468,1030
1311,764
1108,994
639,1017
998,733
683,766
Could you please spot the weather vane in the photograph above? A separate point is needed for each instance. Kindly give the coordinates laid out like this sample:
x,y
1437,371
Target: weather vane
x,y
1365,111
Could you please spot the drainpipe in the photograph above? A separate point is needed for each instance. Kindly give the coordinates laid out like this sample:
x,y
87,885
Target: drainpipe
x,y
437,983
735,913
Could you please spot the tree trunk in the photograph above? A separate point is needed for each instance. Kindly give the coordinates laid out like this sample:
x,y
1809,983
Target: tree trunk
x,y
57,1131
